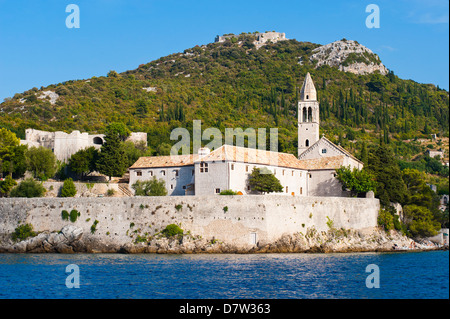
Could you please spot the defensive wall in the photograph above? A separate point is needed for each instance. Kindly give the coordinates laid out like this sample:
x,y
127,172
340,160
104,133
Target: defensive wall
x,y
237,220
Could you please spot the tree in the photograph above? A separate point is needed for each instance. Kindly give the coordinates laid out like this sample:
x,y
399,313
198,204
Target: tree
x,y
421,221
8,144
151,187
6,186
357,181
19,161
84,161
384,167
135,150
41,162
119,129
364,156
28,188
112,159
262,180
68,189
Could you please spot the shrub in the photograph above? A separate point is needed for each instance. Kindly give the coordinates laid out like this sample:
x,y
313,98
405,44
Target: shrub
x,y
65,215
28,188
110,192
228,192
225,209
172,230
94,227
68,189
22,232
178,207
74,215
6,185
152,187
385,219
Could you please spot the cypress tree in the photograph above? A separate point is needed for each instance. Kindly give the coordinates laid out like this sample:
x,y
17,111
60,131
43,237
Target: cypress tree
x,y
112,159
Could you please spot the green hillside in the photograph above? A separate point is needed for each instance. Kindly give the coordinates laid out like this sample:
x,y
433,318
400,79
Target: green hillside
x,y
231,84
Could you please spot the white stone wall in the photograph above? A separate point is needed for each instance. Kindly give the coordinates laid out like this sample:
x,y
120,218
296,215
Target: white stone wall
x,y
324,183
175,183
294,181
64,145
217,178
265,217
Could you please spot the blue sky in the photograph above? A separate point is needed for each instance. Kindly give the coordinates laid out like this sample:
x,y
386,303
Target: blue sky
x,y
37,49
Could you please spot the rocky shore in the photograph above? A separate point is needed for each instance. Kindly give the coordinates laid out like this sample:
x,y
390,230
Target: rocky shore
x,y
71,239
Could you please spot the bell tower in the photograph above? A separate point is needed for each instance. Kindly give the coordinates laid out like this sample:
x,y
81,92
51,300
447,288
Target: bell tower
x,y
308,116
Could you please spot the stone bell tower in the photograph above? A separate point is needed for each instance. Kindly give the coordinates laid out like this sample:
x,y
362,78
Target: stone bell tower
x,y
308,116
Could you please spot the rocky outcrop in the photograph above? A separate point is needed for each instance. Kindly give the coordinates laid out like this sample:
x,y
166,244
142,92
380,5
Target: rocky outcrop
x,y
46,242
71,240
348,56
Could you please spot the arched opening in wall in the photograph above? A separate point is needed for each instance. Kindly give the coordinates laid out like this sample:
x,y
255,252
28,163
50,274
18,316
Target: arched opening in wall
x,y
307,143
307,97
309,114
305,115
98,140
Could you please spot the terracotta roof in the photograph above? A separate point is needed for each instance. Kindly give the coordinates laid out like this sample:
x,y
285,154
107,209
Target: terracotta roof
x,y
164,161
253,156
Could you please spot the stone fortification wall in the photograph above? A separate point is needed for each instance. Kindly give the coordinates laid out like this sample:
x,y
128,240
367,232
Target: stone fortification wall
x,y
242,221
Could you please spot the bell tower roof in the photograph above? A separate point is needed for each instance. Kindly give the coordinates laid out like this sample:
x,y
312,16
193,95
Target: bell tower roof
x,y
308,91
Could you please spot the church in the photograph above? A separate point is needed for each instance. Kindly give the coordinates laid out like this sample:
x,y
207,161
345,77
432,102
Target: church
x,y
311,173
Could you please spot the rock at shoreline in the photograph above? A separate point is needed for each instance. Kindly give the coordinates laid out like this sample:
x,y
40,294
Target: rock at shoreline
x,y
71,240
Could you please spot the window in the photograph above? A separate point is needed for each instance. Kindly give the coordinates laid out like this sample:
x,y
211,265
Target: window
x,y
274,171
324,150
292,173
307,143
138,173
176,172
184,187
301,190
193,171
246,168
286,189
217,190
163,173
232,167
171,186
203,167
282,172
248,187
151,173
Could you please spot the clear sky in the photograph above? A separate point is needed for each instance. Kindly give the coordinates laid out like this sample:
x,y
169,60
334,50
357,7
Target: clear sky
x,y
37,49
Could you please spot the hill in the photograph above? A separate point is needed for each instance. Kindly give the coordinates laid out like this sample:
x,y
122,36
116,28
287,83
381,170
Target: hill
x,y
234,83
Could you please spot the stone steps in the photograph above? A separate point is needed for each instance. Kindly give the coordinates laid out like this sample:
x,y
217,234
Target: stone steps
x,y
125,190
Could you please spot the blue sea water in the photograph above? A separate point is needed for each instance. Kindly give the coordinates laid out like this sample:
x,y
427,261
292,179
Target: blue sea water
x,y
412,275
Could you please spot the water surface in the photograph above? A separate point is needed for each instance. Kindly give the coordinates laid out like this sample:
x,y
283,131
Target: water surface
x,y
255,276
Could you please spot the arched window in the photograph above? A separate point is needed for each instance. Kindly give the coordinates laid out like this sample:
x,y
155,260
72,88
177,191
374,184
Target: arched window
x,y
98,140
307,143
307,97
305,115
309,114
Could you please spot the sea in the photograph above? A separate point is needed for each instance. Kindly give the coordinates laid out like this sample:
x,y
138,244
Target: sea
x,y
399,275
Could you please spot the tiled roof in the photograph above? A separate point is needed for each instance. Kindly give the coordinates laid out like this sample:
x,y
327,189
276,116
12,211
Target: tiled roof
x,y
245,155
253,156
164,161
